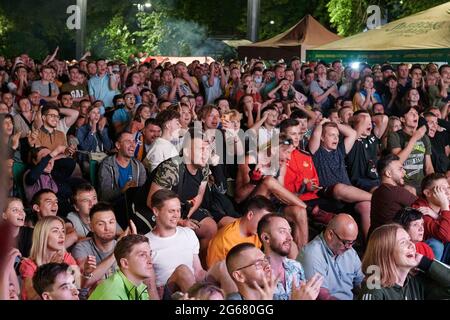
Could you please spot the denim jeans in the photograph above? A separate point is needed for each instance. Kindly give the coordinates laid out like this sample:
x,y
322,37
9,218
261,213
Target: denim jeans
x,y
441,251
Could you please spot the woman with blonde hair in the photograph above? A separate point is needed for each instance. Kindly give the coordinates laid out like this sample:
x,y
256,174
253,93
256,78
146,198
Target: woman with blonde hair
x,y
391,266
48,246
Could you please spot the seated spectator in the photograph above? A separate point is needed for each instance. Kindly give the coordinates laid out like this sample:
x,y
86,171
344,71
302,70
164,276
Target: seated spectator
x,y
328,155
434,204
240,231
94,255
365,98
11,138
412,221
103,82
188,175
440,142
261,176
251,272
84,197
145,138
122,117
55,281
118,173
46,86
361,161
9,283
214,83
143,112
135,279
275,234
176,249
93,137
14,216
48,246
391,196
413,148
392,251
331,255
162,148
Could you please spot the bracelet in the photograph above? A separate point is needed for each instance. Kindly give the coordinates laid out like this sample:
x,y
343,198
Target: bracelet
x,y
87,275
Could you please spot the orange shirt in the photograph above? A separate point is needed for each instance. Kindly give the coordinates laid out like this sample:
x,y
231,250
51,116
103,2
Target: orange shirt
x,y
225,239
300,167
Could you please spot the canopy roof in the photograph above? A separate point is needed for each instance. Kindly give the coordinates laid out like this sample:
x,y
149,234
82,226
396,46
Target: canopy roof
x,y
421,37
307,33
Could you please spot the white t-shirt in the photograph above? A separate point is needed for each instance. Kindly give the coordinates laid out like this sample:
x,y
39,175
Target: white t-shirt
x,y
160,150
173,251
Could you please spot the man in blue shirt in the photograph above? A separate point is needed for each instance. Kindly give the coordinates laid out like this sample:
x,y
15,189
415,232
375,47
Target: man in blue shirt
x,y
103,86
331,254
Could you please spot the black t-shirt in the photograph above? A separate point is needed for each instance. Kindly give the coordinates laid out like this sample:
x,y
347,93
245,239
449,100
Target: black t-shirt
x,y
438,156
362,158
25,240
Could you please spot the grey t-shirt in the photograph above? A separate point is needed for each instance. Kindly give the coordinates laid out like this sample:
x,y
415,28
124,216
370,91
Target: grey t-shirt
x,y
88,248
44,88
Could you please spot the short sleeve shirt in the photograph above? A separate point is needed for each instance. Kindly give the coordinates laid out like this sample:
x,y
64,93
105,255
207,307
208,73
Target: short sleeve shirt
x,y
330,166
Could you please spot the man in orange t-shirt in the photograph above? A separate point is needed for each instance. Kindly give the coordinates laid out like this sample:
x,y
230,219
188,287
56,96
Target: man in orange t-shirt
x,y
240,231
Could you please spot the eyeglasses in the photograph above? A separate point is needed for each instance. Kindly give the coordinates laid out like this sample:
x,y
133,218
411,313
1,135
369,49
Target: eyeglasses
x,y
259,264
56,116
346,243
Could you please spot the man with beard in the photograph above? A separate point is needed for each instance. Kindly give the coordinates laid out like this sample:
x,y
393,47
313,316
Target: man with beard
x,y
275,234
118,173
391,196
440,141
331,255
95,255
135,279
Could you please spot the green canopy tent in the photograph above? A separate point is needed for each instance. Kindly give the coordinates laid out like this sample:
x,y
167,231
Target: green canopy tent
x,y
422,37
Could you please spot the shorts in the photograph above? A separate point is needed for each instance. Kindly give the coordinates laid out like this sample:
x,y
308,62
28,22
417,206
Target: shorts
x,y
366,184
327,204
200,214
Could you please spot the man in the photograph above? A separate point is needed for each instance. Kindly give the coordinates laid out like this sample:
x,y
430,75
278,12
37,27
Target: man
x,y
145,138
176,260
66,109
84,197
135,279
162,148
268,130
46,87
404,81
331,255
241,230
103,85
391,196
55,281
118,173
214,83
122,117
275,234
95,255
328,155
440,143
345,113
362,159
188,176
413,148
279,75
77,90
173,89
48,136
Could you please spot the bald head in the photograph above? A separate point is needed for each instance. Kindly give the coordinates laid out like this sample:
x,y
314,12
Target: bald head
x,y
340,230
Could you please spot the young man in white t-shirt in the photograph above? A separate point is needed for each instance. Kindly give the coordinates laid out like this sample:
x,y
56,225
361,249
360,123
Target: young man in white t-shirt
x,y
162,148
175,249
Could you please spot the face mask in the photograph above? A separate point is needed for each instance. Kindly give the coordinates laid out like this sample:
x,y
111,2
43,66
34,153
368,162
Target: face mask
x,y
258,80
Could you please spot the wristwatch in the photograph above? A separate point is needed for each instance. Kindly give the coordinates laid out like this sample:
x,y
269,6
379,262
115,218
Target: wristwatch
x,y
87,275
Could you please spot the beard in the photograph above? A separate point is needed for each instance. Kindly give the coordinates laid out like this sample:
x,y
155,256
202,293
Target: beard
x,y
279,249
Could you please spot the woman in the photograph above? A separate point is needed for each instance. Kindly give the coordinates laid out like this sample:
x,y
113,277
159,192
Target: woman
x,y
134,85
394,125
11,139
14,216
282,92
367,96
48,246
143,113
390,262
93,137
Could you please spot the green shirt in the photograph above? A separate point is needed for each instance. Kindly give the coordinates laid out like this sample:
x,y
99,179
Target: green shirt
x,y
118,287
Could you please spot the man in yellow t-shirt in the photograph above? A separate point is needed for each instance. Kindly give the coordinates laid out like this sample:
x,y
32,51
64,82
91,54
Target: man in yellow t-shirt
x,y
240,231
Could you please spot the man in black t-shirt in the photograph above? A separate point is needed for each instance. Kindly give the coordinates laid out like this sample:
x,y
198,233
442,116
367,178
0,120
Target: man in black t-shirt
x,y
440,143
192,171
362,158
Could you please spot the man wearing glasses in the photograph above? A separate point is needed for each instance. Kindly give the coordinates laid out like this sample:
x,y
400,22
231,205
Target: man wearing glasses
x,y
331,254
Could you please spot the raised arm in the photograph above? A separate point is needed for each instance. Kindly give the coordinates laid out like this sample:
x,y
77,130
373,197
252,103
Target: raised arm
x,y
349,136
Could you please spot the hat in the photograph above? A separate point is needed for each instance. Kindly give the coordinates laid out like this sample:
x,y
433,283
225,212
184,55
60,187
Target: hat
x,y
387,67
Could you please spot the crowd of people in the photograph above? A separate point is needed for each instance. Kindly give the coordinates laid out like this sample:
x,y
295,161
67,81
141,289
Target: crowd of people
x,y
212,180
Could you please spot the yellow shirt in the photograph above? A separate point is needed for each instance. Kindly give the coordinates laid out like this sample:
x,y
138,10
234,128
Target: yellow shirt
x,y
225,239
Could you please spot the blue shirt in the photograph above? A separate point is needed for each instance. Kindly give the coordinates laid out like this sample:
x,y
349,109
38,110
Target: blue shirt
x,y
293,270
99,89
121,115
330,166
341,273
125,175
